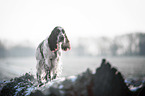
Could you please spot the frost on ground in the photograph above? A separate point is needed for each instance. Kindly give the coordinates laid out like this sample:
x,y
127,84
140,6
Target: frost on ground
x,y
24,85
18,86
106,81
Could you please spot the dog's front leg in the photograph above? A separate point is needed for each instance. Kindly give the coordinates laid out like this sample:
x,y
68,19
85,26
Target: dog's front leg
x,y
47,68
38,77
39,67
54,77
47,74
54,68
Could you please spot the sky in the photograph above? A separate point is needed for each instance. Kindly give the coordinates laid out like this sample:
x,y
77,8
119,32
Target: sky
x,y
34,20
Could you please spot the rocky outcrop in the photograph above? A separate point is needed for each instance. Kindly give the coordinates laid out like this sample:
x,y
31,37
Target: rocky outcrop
x,y
106,81
109,82
17,86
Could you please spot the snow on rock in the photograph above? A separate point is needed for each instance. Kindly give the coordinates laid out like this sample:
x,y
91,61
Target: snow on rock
x,y
17,86
72,78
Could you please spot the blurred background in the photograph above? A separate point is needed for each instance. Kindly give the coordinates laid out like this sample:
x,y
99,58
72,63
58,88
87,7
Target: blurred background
x,y
96,29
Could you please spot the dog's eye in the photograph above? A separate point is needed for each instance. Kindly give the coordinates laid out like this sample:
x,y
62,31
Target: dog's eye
x,y
61,38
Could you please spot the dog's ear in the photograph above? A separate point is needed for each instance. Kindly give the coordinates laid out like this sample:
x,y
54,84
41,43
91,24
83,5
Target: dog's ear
x,y
66,45
52,40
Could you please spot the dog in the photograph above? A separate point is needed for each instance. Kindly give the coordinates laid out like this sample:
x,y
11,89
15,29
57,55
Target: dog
x,y
48,54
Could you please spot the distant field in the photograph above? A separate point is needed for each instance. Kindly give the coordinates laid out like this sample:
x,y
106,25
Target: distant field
x,y
130,67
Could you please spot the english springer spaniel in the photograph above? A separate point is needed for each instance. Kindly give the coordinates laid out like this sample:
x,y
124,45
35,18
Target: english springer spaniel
x,y
48,55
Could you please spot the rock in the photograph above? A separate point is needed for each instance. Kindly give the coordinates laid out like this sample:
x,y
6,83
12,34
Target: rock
x,y
142,92
17,86
82,86
109,82
37,93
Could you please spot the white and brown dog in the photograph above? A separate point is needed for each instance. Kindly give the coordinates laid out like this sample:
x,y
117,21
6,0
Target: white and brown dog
x,y
48,54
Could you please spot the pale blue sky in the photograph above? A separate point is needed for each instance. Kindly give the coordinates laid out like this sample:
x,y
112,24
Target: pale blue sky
x,y
34,19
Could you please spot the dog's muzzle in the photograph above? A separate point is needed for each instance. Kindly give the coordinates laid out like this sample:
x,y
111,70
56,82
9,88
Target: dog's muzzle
x,y
65,46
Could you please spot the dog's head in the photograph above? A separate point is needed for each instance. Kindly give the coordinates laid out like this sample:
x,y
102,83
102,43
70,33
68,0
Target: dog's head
x,y
58,36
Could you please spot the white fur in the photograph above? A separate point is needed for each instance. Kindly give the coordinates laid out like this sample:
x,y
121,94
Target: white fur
x,y
54,65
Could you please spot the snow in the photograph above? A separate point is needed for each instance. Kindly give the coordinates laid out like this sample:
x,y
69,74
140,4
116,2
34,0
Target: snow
x,y
72,78
61,86
62,92
132,88
29,90
17,90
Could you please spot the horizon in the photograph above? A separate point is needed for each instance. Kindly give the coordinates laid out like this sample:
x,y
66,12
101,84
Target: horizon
x,y
27,43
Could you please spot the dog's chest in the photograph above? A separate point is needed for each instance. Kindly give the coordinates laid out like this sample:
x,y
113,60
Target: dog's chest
x,y
49,54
